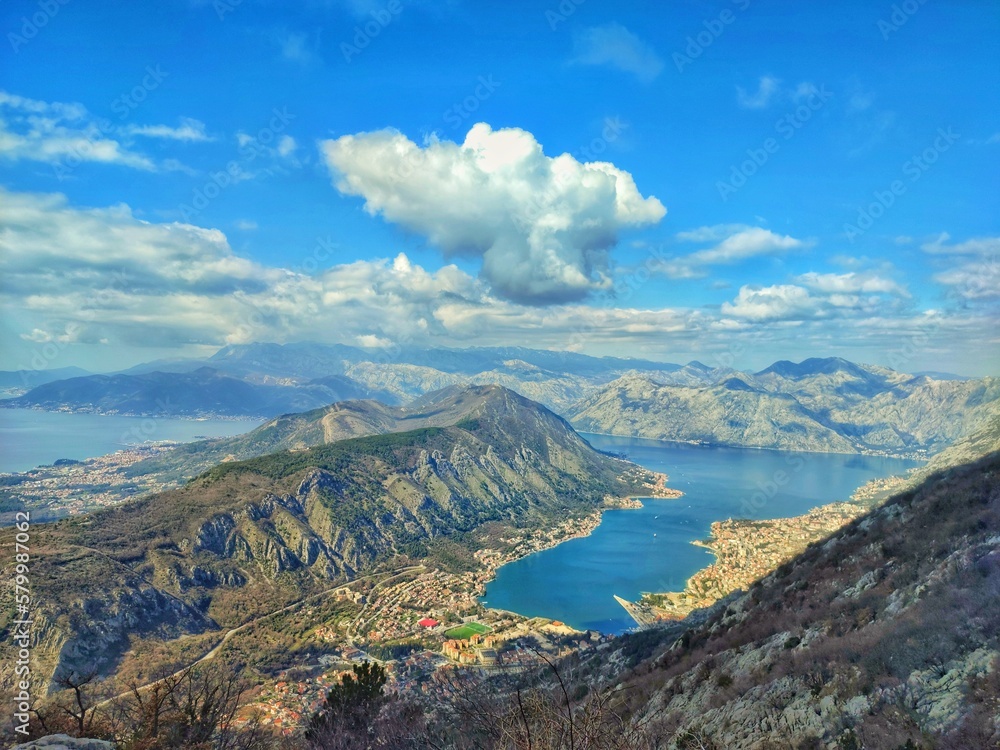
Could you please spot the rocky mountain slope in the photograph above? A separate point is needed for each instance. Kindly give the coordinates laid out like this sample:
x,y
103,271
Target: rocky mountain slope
x,y
819,405
339,421
883,637
248,537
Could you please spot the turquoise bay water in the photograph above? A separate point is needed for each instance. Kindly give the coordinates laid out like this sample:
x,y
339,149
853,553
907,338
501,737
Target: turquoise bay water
x,y
30,438
650,549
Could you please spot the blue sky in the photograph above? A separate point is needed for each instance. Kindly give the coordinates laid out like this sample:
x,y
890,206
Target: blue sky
x,y
736,182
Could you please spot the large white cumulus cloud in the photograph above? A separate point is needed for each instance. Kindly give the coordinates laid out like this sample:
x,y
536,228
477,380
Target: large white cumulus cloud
x,y
542,225
102,276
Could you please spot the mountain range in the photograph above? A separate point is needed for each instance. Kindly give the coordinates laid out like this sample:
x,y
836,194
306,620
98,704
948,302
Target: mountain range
x,y
879,636
249,537
272,379
828,405
205,391
820,404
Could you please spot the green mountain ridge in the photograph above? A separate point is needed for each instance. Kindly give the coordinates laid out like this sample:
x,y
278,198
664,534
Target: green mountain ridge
x,y
328,424
248,537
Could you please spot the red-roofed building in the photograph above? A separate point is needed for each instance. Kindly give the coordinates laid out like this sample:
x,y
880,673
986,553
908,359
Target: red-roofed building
x,y
428,622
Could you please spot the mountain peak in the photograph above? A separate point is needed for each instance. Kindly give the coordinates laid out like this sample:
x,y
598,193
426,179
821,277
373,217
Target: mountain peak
x,y
812,366
696,365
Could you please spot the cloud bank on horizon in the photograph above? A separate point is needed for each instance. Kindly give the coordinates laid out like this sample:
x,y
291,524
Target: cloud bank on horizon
x,y
105,277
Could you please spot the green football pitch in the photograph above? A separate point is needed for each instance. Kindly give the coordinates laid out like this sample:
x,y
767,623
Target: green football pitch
x,y
466,631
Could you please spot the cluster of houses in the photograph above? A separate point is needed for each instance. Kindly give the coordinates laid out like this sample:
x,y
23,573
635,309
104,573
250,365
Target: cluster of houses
x,y
477,649
346,594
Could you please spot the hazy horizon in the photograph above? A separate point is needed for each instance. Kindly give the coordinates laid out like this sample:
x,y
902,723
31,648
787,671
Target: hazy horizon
x,y
724,360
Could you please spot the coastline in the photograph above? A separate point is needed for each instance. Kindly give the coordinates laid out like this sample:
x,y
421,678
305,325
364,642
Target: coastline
x,y
97,412
83,486
747,550
919,455
493,560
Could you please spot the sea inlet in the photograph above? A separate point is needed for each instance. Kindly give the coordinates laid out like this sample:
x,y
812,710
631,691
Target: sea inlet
x,y
649,549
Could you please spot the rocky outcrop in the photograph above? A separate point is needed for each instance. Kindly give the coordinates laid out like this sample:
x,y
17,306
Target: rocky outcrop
x,y
825,405
718,415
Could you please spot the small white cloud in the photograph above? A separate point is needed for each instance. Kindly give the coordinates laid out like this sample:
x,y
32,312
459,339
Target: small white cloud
x,y
371,341
65,135
296,47
975,273
245,225
817,297
747,243
734,243
851,283
189,130
767,88
286,145
61,134
975,246
616,46
772,303
711,233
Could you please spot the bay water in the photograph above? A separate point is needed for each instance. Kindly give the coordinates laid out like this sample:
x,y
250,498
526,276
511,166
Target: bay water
x,y
649,549
31,437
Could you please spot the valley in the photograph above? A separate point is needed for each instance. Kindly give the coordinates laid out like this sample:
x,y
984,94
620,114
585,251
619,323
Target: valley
x,y
252,537
365,531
